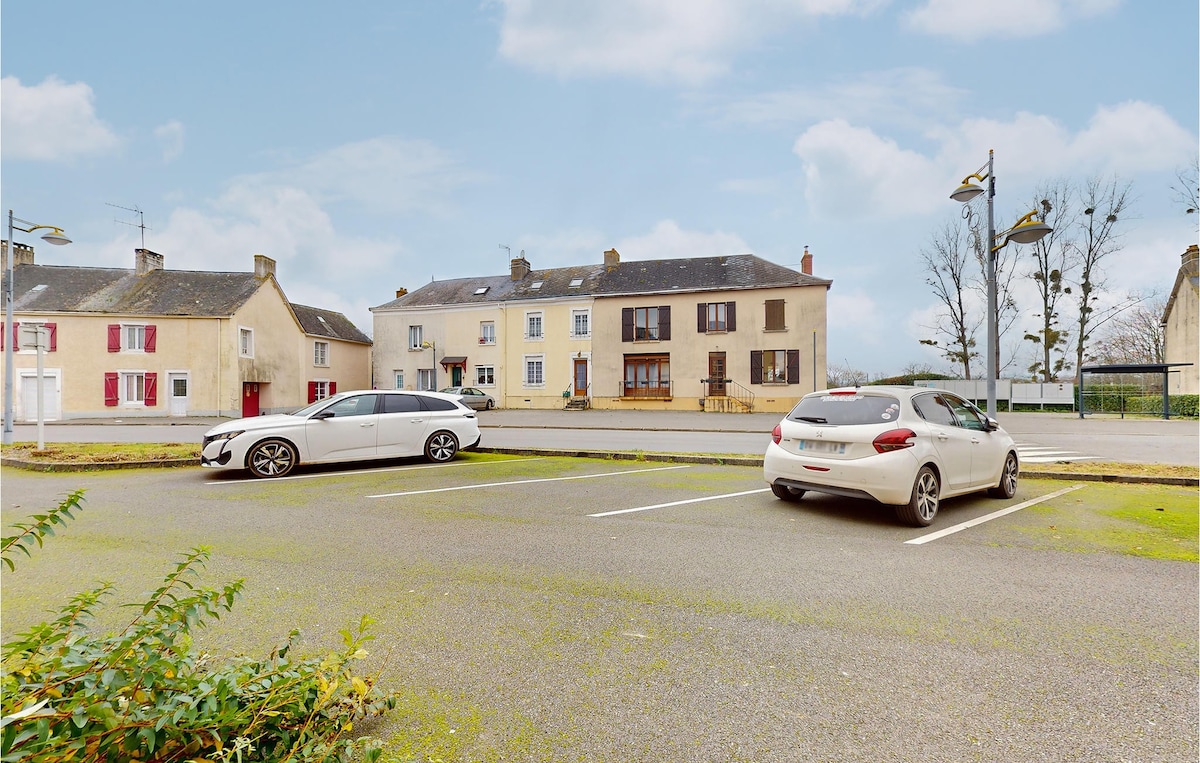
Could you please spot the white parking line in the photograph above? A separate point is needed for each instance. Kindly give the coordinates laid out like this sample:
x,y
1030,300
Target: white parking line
x,y
1036,454
989,517
679,503
529,482
368,471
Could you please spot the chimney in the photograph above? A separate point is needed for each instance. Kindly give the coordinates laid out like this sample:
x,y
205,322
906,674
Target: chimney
x,y
611,258
806,262
520,267
22,255
401,292
263,266
146,261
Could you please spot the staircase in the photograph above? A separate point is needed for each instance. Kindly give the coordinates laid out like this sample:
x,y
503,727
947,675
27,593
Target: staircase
x,y
577,404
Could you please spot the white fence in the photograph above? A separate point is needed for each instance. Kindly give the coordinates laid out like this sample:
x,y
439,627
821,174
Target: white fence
x,y
1016,393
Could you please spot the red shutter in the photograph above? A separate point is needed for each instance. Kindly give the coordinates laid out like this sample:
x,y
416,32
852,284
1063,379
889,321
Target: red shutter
x,y
110,389
627,324
151,337
756,366
793,366
702,318
151,390
312,392
114,338
53,329
332,388
730,316
664,322
16,345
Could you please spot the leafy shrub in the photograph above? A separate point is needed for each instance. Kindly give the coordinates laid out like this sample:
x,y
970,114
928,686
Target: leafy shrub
x,y
142,694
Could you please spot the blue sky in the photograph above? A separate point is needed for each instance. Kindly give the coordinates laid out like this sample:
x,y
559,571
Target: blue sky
x,y
368,146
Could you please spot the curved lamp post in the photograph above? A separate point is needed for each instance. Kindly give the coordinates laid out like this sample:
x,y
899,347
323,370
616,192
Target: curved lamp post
x,y
54,236
1026,231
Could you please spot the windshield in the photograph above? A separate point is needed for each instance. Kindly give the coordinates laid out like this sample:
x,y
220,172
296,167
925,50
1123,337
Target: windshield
x,y
846,409
312,408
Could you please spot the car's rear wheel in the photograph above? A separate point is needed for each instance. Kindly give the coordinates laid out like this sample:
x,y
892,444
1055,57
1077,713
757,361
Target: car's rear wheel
x,y
441,447
1007,487
490,404
922,506
787,493
272,458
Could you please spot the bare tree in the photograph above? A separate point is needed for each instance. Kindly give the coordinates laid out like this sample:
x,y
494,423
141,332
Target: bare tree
x,y
844,375
1054,258
947,260
1105,201
1134,336
1186,187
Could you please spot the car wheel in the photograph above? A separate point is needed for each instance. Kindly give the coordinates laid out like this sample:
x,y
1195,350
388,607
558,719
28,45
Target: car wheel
x,y
922,507
490,404
787,493
1008,479
441,447
271,458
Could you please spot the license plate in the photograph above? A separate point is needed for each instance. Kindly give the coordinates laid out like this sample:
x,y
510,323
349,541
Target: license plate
x,y
821,446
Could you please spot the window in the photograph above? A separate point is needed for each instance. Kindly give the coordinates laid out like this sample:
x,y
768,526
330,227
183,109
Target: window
x,y
320,353
575,283
358,405
934,410
647,376
246,342
132,337
485,376
533,371
487,332
775,321
320,391
398,378
641,324
715,317
535,285
482,290
49,336
775,367
426,378
533,326
401,404
131,388
416,337
580,328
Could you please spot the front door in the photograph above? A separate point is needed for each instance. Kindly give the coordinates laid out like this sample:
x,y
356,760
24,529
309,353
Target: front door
x,y
249,399
29,400
177,386
456,373
716,374
581,379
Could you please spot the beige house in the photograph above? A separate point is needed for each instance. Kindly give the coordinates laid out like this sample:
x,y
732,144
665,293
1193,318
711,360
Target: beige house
x,y
148,341
1181,327
732,333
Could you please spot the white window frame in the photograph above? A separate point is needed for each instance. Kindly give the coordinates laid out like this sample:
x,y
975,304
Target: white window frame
x,y
320,353
426,378
398,379
487,332
124,378
586,315
245,342
416,337
529,362
126,345
322,389
485,375
530,317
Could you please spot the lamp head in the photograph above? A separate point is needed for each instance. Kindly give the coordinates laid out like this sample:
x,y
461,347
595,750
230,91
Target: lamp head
x,y
56,237
966,192
1029,231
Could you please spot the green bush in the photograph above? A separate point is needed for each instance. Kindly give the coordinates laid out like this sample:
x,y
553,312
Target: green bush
x,y
143,694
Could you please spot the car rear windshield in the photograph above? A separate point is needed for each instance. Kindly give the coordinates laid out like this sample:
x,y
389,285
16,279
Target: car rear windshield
x,y
846,409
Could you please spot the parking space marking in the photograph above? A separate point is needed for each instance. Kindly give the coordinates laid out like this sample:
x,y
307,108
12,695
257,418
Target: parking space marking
x,y
368,471
989,517
1036,454
529,482
679,503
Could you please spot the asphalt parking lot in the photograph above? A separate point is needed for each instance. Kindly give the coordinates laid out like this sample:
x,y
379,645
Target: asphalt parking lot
x,y
584,609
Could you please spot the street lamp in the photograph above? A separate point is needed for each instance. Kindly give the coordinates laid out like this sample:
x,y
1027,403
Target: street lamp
x,y
56,237
1026,231
431,345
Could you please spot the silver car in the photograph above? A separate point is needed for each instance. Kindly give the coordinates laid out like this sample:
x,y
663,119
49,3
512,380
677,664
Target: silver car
x,y
472,397
350,426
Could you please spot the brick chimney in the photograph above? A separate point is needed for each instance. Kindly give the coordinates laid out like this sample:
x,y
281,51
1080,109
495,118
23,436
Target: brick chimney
x,y
806,262
401,292
22,255
520,267
263,266
611,258
146,261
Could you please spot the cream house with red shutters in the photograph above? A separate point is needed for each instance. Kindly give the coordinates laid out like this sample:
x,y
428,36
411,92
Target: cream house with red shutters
x,y
149,341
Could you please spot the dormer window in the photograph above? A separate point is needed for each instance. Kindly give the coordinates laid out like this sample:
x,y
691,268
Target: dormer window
x,y
481,290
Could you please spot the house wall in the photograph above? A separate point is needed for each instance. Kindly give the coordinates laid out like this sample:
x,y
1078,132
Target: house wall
x,y
1181,330
557,351
348,364
274,364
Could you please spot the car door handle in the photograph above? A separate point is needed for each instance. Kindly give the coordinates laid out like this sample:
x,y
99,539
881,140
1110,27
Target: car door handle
x,y
367,424
943,436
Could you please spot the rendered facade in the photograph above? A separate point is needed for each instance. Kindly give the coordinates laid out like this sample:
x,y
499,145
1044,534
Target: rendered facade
x,y
1181,327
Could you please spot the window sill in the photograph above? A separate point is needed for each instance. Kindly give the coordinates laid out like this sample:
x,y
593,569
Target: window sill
x,y
776,331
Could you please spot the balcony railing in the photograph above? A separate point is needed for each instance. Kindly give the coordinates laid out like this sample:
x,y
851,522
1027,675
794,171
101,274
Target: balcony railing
x,y
646,389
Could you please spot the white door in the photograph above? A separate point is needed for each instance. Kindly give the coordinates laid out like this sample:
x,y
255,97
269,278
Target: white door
x,y
49,398
177,391
344,431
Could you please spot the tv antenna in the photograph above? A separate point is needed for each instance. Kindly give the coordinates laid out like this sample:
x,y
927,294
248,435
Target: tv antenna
x,y
141,223
507,249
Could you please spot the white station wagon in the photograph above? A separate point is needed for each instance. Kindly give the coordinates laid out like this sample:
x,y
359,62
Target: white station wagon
x,y
349,426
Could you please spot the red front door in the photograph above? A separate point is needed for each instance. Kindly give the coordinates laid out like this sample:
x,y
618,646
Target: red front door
x,y
249,399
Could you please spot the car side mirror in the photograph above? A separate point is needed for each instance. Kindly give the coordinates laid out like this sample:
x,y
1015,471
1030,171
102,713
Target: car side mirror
x,y
990,424
325,414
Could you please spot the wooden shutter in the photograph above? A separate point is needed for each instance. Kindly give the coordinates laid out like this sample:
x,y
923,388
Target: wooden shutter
x,y
151,337
756,366
627,324
312,392
52,328
110,389
775,319
664,322
702,317
114,338
332,388
151,389
730,316
16,345
793,366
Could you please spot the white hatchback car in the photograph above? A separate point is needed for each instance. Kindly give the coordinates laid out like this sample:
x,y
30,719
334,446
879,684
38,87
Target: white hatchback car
x,y
908,447
349,426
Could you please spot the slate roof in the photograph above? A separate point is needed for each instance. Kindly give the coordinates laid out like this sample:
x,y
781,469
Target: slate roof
x,y
740,271
327,323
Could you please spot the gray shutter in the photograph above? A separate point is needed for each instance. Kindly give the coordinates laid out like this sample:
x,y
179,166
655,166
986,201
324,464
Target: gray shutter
x,y
664,322
627,324
702,318
730,316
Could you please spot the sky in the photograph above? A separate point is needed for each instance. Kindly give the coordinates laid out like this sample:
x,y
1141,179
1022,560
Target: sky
x,y
374,145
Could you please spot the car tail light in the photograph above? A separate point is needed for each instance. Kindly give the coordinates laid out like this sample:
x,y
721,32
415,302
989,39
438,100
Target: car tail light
x,y
895,439
776,434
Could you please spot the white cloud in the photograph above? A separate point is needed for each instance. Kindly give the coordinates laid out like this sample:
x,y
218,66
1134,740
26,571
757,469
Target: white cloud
x,y
679,40
973,21
668,241
52,121
170,139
